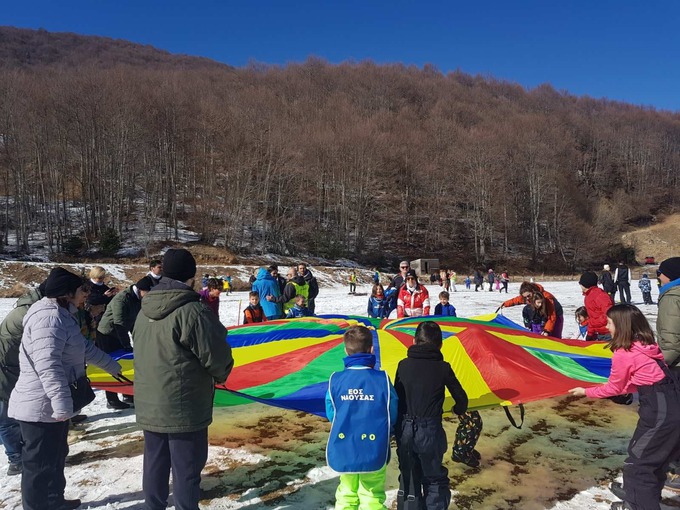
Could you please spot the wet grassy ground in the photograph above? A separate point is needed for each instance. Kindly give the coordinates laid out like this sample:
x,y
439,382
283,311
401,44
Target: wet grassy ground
x,y
566,446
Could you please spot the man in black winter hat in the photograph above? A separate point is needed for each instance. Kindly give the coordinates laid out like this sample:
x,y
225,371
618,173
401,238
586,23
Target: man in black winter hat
x,y
668,333
181,352
668,320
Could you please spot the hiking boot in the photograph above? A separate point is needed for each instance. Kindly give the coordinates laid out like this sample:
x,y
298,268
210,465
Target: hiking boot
x,y
15,468
469,460
117,404
617,490
672,483
78,418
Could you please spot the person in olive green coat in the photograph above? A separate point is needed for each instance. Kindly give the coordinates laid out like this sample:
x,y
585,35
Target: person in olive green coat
x,y
115,326
668,320
11,329
181,352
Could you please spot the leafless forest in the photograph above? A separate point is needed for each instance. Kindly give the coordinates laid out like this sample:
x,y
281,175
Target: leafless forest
x,y
359,160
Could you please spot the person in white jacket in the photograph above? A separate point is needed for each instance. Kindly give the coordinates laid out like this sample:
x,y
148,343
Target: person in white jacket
x,y
52,355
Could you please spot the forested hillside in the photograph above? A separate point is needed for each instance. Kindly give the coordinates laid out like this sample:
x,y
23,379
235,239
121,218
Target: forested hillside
x,y
358,160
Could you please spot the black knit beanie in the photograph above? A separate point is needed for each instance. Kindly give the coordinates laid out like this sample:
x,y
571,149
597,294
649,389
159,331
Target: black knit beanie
x,y
144,284
671,268
588,279
61,282
179,264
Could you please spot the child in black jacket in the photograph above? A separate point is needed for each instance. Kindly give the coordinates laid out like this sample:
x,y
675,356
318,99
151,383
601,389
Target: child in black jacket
x,y
421,440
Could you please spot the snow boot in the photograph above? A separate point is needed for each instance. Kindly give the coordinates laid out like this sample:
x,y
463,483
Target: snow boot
x,y
113,402
617,490
15,468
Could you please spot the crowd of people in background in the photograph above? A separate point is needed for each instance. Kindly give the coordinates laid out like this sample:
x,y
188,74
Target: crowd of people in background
x,y
70,320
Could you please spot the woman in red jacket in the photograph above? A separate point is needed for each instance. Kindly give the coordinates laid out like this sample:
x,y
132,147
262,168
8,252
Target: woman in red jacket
x,y
413,300
555,322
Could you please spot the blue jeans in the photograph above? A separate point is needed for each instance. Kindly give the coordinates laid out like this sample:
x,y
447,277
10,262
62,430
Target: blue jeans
x,y
10,434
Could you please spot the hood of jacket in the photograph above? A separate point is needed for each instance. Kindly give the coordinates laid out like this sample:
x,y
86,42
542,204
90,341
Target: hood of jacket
x,y
650,350
166,297
29,298
263,274
674,284
308,276
425,351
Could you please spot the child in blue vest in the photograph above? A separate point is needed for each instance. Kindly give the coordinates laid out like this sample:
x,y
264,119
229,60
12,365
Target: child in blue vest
x,y
444,307
361,404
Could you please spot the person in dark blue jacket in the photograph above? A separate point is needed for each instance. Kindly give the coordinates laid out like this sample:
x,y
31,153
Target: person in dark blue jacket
x,y
377,303
266,285
299,309
444,307
361,404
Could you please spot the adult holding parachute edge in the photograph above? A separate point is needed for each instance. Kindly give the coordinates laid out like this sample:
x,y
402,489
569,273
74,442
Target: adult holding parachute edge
x,y
555,320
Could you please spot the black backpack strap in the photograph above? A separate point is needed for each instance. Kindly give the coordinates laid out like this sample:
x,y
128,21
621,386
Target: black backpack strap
x,y
511,419
668,372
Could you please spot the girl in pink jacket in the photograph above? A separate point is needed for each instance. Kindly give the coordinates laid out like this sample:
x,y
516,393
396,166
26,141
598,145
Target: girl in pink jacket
x,y
637,365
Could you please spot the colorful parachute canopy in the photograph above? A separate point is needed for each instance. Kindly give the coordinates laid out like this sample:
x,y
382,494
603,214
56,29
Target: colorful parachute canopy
x,y
287,363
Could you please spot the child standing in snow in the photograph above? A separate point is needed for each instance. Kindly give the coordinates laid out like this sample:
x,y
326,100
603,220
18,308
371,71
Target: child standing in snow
x,y
210,295
444,307
646,288
638,364
254,312
377,304
299,309
362,463
468,282
536,314
581,315
352,282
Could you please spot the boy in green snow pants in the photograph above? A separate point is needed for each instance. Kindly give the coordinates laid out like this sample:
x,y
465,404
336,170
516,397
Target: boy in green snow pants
x,y
361,404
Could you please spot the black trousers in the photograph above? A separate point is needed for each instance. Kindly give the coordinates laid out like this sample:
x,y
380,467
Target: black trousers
x,y
185,454
423,480
655,442
43,457
624,292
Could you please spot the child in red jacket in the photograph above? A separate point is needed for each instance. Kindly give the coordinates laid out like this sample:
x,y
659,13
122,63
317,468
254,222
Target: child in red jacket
x,y
597,302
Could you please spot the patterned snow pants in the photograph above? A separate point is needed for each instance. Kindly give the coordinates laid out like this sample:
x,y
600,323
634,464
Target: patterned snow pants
x,y
467,434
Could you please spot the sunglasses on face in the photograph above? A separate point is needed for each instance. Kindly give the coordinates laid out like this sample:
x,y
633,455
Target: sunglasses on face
x,y
410,278
403,267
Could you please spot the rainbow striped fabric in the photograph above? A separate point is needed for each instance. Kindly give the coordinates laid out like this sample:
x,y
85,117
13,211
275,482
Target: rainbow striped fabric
x,y
287,363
